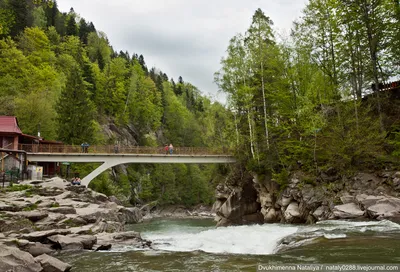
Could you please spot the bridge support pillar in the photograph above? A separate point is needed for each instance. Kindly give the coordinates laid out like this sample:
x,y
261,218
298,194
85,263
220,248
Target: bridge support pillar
x,y
86,180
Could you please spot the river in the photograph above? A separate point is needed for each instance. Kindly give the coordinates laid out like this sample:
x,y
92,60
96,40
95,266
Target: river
x,y
196,245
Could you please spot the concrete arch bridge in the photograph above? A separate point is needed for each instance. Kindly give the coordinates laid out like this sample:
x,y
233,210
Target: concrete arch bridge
x,y
111,156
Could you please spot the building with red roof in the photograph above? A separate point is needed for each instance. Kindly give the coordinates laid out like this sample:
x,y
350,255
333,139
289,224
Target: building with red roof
x,y
12,140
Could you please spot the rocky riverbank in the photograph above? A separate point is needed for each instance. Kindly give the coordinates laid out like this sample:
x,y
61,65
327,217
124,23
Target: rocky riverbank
x,y
37,222
247,199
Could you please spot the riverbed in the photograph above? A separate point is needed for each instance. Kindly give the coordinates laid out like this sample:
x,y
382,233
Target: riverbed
x,y
196,245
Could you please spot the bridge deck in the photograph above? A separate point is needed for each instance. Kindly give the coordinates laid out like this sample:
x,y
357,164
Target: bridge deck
x,y
110,149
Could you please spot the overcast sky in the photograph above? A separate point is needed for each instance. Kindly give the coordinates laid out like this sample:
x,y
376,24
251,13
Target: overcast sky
x,y
184,38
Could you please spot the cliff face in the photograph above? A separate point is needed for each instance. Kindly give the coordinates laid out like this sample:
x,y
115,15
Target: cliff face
x,y
331,196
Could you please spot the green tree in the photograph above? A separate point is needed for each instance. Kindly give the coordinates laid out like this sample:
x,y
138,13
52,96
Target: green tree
x,y
75,111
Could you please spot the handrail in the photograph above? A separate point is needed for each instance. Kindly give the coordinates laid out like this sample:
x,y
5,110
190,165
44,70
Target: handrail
x,y
111,149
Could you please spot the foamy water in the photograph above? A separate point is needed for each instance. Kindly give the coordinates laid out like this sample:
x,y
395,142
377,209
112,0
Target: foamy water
x,y
256,239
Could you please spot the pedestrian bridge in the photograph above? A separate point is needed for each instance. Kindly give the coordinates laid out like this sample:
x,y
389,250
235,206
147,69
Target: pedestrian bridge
x,y
111,156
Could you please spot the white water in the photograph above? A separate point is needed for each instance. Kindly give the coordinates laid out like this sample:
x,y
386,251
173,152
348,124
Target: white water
x,y
256,239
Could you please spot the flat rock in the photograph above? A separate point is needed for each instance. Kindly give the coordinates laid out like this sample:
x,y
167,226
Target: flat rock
x,y
36,249
63,210
51,264
34,216
14,260
65,242
348,211
39,236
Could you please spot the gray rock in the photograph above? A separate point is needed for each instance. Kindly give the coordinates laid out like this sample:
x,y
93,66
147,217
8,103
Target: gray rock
x,y
102,247
115,200
292,214
321,213
88,241
12,259
127,235
346,198
36,249
51,264
63,210
254,218
348,211
270,215
385,208
131,215
65,242
34,216
39,236
107,226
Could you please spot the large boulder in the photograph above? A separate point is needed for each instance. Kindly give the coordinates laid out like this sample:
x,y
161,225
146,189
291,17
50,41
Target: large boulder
x,y
386,208
36,249
348,211
131,215
107,226
292,214
65,242
51,264
12,259
88,241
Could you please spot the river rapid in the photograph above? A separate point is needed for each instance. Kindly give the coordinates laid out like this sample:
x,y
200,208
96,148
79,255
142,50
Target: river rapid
x,y
196,245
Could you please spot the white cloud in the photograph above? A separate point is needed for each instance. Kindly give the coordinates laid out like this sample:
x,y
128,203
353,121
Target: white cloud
x,y
181,37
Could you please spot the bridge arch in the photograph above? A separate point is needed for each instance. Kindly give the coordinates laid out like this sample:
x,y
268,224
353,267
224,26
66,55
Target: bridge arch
x,y
111,160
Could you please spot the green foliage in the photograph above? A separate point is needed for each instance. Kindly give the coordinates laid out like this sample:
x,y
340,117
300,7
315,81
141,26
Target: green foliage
x,y
55,205
75,111
18,187
31,207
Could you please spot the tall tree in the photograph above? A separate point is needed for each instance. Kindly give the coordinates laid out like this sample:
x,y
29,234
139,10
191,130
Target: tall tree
x,y
75,111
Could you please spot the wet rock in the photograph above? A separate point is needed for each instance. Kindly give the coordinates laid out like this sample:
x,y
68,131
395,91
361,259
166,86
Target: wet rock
x,y
13,259
102,247
127,235
254,218
51,264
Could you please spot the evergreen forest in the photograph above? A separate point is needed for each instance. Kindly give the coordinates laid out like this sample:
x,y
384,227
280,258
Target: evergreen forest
x,y
308,101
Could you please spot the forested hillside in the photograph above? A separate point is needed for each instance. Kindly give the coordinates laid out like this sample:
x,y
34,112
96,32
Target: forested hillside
x,y
311,101
59,73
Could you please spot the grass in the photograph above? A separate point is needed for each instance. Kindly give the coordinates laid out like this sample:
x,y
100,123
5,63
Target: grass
x,y
55,205
30,207
18,187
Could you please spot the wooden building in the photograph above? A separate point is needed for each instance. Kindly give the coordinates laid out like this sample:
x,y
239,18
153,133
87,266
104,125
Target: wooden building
x,y
12,142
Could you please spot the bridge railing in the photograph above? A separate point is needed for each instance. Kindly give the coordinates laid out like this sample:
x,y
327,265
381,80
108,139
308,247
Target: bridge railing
x,y
111,149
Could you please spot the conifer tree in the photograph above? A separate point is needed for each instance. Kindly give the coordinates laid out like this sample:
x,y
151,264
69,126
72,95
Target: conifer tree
x,y
75,111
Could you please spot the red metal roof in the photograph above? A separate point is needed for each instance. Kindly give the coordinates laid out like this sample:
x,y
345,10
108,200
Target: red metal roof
x,y
9,124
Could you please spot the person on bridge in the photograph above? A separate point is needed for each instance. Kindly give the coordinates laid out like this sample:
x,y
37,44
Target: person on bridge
x,y
166,149
171,149
116,148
